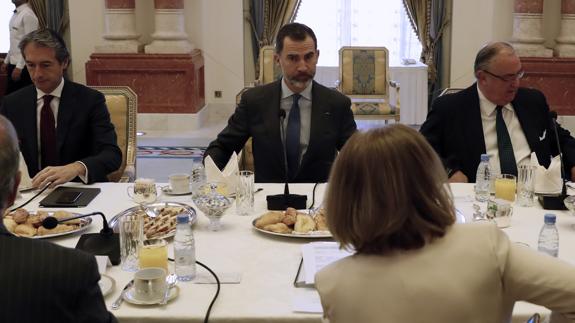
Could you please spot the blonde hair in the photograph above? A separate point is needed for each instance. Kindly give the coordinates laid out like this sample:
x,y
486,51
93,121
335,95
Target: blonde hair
x,y
386,192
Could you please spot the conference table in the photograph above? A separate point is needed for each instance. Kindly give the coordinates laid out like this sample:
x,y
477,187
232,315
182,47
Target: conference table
x,y
267,264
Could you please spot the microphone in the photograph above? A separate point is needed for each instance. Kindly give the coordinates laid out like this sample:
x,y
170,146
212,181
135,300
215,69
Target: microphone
x,y
285,200
105,243
555,202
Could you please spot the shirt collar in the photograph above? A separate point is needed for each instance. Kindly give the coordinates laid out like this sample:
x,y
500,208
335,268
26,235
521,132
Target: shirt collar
x,y
286,92
488,107
56,93
21,7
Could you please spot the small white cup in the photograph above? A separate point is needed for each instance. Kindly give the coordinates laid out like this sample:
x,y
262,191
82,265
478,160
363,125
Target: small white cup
x,y
150,284
180,183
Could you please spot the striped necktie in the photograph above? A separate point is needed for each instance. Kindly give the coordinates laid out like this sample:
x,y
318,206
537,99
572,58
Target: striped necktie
x,y
506,155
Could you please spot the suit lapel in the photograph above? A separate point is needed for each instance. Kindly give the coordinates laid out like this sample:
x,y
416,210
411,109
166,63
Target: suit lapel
x,y
473,125
270,110
528,123
65,109
30,129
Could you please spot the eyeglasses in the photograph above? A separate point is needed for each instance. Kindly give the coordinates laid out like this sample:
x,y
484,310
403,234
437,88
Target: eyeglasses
x,y
507,78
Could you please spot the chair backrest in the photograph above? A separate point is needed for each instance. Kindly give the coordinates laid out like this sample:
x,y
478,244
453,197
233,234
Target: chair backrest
x,y
364,71
122,104
269,70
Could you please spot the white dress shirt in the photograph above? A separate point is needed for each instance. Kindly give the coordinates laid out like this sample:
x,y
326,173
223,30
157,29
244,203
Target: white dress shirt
x,y
54,104
23,21
304,111
521,148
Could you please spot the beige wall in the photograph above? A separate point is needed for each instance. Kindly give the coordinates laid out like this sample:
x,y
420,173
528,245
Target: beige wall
x,y
214,26
478,22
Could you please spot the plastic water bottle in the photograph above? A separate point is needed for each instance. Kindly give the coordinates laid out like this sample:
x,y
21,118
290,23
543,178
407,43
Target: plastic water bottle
x,y
483,179
184,249
549,237
198,175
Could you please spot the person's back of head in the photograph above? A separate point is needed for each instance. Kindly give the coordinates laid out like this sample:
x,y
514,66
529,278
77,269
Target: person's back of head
x,y
387,192
9,162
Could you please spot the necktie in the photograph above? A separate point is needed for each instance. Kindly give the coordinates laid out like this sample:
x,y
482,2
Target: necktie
x,y
292,137
48,134
506,155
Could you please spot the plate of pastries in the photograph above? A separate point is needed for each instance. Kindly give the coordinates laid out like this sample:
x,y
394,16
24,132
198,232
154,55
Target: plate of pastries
x,y
24,223
293,223
163,225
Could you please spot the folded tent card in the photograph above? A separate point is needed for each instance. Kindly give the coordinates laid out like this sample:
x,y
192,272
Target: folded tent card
x,y
547,180
229,175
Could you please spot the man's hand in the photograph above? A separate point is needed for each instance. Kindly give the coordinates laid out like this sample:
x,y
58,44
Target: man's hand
x,y
16,74
573,174
57,175
458,177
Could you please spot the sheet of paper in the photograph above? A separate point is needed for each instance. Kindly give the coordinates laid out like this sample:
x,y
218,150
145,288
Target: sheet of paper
x,y
317,255
103,262
225,278
306,300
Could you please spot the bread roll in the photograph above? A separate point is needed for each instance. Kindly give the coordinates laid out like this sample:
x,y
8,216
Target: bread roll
x,y
271,217
277,228
304,223
25,230
10,224
20,216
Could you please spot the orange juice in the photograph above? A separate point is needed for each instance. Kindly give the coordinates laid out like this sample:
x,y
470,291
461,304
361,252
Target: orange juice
x,y
505,187
154,255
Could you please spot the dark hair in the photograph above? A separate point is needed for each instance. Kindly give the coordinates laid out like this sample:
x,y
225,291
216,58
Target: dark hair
x,y
387,192
47,38
295,31
488,52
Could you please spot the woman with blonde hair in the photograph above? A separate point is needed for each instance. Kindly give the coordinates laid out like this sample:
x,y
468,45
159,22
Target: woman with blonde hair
x,y
388,201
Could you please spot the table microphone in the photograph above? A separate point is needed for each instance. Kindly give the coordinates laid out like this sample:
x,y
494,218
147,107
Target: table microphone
x,y
555,202
285,200
105,243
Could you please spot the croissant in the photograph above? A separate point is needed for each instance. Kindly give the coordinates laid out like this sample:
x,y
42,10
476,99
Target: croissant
x,y
304,223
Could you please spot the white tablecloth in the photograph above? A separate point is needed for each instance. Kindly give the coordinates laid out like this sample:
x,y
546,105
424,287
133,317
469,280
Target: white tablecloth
x,y
268,263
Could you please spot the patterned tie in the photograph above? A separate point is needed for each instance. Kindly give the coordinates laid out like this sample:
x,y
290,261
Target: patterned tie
x,y
506,155
48,134
292,137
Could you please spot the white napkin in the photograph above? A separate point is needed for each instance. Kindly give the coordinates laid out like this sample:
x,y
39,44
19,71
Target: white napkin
x,y
547,181
229,175
25,180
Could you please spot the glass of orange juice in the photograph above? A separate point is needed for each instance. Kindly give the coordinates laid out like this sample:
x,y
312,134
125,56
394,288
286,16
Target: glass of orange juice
x,y
505,186
153,253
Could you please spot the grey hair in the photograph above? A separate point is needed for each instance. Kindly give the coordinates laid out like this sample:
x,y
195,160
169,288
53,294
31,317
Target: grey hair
x,y
9,160
46,38
488,52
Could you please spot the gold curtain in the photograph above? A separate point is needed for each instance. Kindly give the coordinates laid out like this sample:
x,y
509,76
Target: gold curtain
x,y
276,14
39,8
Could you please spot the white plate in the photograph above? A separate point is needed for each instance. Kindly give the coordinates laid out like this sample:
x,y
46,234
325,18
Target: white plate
x,y
84,223
106,284
129,296
309,235
168,191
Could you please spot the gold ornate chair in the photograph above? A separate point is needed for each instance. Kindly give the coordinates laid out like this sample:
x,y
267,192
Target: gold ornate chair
x,y
269,70
122,103
364,78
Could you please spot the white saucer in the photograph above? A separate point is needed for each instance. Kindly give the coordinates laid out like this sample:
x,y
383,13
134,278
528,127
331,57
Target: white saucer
x,y
106,284
129,297
168,191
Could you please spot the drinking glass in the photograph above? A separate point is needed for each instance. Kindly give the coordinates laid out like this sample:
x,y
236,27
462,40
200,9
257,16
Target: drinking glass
x,y
153,254
525,185
245,193
143,191
131,234
505,186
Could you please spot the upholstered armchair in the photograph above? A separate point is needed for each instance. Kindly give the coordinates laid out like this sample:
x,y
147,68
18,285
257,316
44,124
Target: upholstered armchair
x,y
269,70
122,103
364,78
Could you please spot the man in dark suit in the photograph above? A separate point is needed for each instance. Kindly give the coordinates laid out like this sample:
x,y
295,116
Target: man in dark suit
x,y
497,117
41,281
64,128
316,124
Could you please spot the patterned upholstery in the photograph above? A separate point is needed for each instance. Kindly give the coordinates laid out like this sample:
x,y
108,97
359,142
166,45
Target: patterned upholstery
x,y
364,78
269,70
122,104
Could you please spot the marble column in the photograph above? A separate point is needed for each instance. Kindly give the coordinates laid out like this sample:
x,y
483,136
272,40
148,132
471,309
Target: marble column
x,y
170,36
120,34
566,40
527,37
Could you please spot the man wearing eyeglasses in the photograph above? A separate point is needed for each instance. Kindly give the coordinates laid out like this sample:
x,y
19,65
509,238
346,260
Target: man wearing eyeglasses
x,y
497,117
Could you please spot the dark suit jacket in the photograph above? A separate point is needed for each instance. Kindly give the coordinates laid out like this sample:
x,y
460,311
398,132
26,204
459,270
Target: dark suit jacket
x,y
43,282
454,129
84,132
257,116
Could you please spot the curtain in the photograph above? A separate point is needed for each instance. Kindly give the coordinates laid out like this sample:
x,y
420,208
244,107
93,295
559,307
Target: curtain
x,y
39,8
428,21
50,14
266,19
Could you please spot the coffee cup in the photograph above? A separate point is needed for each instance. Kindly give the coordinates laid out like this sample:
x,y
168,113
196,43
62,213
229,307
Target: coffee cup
x,y
150,284
180,183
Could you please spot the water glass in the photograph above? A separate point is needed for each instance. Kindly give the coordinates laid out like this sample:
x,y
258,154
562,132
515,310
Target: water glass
x,y
245,193
525,185
131,235
505,186
198,175
499,211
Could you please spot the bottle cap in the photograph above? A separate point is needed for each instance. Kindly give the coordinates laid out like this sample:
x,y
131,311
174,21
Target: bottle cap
x,y
484,157
182,218
550,218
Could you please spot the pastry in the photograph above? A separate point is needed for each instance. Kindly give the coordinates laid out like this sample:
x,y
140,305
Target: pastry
x,y
25,230
9,223
35,220
60,228
271,217
304,223
290,216
321,221
277,228
20,215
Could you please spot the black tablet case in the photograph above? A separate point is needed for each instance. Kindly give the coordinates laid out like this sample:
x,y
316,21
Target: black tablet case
x,y
88,194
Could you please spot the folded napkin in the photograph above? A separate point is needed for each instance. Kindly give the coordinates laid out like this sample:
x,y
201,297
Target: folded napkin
x,y
25,180
229,175
547,181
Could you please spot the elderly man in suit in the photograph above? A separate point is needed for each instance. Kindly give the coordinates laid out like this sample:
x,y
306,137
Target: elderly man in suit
x,y
311,121
64,128
41,281
497,117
